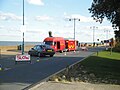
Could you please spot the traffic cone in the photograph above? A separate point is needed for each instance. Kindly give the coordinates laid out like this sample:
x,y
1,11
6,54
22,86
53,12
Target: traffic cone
x,y
38,60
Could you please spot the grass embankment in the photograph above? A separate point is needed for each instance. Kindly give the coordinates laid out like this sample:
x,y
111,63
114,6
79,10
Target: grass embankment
x,y
105,68
101,68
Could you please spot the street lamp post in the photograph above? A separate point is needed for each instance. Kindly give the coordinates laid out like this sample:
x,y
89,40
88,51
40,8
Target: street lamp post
x,y
74,20
93,34
107,37
23,31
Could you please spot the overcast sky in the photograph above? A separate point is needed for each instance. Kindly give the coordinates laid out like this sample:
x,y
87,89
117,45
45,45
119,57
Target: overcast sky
x,y
42,16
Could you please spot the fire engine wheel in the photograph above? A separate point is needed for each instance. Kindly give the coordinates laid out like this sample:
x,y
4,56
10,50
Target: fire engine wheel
x,y
51,55
61,51
39,54
68,50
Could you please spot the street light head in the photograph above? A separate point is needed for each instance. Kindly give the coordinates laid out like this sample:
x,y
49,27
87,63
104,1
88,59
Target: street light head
x,y
93,27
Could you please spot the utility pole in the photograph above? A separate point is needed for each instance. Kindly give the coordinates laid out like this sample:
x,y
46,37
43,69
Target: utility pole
x,y
74,23
94,27
107,36
23,31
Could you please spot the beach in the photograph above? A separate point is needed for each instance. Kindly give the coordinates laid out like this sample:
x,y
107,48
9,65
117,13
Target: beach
x,y
8,50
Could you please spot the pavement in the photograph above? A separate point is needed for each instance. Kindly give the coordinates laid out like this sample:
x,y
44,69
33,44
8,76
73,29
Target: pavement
x,y
74,86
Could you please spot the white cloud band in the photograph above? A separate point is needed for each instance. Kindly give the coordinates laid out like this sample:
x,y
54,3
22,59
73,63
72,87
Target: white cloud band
x,y
9,16
36,2
43,18
82,18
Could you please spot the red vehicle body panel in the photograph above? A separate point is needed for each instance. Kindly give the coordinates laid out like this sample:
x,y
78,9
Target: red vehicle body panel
x,y
71,45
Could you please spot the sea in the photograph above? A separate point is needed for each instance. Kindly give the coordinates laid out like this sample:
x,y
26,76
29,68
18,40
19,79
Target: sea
x,y
16,43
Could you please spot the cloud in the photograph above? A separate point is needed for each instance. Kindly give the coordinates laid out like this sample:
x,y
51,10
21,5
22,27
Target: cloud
x,y
9,16
82,18
1,27
43,18
4,35
100,27
36,2
106,27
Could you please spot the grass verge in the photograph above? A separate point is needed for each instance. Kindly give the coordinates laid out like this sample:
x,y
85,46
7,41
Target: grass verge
x,y
104,67
101,68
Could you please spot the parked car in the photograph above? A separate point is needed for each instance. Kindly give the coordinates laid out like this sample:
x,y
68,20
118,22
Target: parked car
x,y
41,50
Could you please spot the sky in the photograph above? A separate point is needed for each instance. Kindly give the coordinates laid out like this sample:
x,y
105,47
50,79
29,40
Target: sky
x,y
42,16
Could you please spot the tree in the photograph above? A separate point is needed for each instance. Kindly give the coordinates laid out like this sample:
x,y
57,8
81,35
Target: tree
x,y
106,8
117,36
109,9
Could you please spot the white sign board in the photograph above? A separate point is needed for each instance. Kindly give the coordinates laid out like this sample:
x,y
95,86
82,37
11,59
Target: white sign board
x,y
20,57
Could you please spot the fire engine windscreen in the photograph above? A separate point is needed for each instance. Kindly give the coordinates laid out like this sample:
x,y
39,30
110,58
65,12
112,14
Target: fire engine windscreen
x,y
49,42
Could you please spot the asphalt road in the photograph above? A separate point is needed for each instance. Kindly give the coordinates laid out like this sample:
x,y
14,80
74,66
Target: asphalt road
x,y
23,74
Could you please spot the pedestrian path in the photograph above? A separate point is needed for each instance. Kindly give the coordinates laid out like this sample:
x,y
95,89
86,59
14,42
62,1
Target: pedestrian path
x,y
74,86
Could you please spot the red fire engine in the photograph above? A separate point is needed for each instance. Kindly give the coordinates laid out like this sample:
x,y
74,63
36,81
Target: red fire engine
x,y
58,43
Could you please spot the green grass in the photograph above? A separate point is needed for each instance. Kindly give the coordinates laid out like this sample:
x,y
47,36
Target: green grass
x,y
104,66
107,54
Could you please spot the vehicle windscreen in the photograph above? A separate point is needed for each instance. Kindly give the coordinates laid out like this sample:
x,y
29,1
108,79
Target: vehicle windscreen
x,y
36,47
45,46
49,42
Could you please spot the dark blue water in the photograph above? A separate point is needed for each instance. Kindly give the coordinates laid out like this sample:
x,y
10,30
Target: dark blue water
x,y
16,43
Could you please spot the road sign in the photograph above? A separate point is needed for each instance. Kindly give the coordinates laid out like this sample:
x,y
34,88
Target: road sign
x,y
20,57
